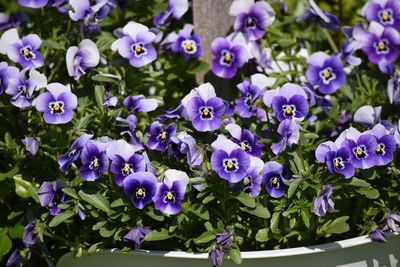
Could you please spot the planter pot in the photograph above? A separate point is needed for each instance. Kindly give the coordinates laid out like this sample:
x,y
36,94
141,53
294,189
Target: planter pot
x,y
354,252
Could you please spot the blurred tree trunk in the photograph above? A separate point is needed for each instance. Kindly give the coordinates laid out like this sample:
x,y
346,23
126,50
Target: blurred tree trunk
x,y
211,19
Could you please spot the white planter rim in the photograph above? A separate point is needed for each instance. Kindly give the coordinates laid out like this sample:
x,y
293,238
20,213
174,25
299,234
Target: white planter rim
x,y
347,243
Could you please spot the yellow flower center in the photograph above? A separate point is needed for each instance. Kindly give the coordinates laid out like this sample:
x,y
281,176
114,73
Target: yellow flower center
x,y
170,196
288,110
126,168
378,149
206,112
189,47
327,74
26,52
139,192
228,57
243,147
138,49
359,151
163,135
56,107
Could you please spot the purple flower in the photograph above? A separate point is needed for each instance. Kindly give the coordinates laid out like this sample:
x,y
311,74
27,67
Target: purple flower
x,y
340,162
51,194
141,187
5,75
80,59
324,202
139,103
171,192
367,115
184,143
229,57
393,222
23,51
136,235
251,17
290,101
315,14
251,91
247,141
136,44
386,144
385,12
362,149
176,9
73,153
204,108
125,160
21,89
185,43
393,89
289,131
315,99
12,21
216,256
30,235
160,136
15,259
31,145
325,72
377,235
229,160
33,3
57,104
94,160
251,183
379,44
224,239
273,179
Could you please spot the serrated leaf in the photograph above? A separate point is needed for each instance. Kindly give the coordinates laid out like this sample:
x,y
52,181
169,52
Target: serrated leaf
x,y
246,200
370,192
338,226
61,218
262,235
235,256
157,235
204,237
259,211
200,210
97,200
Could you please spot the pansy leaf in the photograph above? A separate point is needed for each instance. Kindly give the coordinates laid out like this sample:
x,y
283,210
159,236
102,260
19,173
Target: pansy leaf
x,y
263,235
157,235
62,217
97,200
200,210
5,243
234,255
246,200
275,221
204,237
259,211
99,96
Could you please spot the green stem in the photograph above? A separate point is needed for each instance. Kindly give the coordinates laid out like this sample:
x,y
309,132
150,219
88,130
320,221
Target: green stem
x,y
330,40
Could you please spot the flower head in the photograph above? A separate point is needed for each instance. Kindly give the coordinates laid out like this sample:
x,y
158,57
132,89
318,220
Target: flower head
x,y
378,235
94,160
33,3
315,14
141,187
386,12
136,235
324,202
224,238
139,103
393,222
289,131
325,72
247,141
186,43
176,9
31,145
30,236
57,104
80,59
386,144
186,144
273,179
136,44
216,256
15,259
51,194
73,153
160,136
252,17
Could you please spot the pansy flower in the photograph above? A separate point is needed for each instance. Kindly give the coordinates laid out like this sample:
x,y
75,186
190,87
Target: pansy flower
x,y
386,144
33,3
252,17
247,141
57,104
7,73
30,235
23,51
393,89
31,145
186,43
229,56
368,115
125,160
74,152
288,102
204,108
136,44
184,143
94,160
136,235
51,194
21,89
273,179
289,131
379,44
80,59
229,160
171,192
324,203
141,188
139,103
160,136
385,12
176,9
8,21
15,259
252,181
327,73
315,14
251,92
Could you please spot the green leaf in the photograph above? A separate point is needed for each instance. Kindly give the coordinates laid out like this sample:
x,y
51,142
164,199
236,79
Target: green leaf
x,y
338,226
9,174
157,235
94,247
305,215
275,221
85,121
61,218
263,235
97,200
204,237
99,96
25,189
155,215
200,210
359,182
52,44
16,232
246,200
198,66
5,243
101,78
118,203
104,232
208,199
70,192
234,255
370,192
292,187
259,211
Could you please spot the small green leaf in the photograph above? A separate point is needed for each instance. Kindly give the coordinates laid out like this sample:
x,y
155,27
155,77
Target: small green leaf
x,y
70,192
275,221
204,237
208,199
16,232
359,182
338,226
5,243
157,235
61,218
200,210
234,255
305,215
292,187
259,211
369,192
246,200
155,215
118,203
104,232
99,96
97,200
25,189
9,174
52,44
198,66
263,235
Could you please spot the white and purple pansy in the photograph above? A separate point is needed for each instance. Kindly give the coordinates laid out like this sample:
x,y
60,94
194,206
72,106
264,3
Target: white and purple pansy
x,y
80,59
160,136
386,144
385,12
57,104
136,44
94,160
33,3
141,187
247,141
186,43
274,178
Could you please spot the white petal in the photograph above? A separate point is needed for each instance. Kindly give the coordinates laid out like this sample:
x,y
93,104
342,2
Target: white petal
x,y
70,57
9,37
240,6
235,130
133,28
38,79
